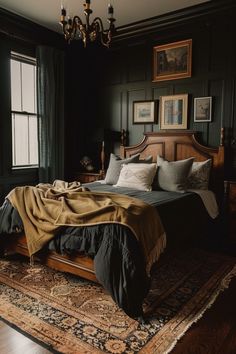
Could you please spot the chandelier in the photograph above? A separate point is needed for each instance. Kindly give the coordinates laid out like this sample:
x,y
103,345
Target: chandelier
x,y
76,29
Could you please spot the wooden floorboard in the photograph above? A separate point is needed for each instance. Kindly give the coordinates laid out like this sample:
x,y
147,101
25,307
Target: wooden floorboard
x,y
215,332
13,342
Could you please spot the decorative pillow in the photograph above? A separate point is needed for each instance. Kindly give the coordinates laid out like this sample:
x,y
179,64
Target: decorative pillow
x,y
115,165
199,175
172,176
137,175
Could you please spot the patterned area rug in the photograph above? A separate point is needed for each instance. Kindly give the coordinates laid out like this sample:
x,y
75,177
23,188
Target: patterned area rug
x,y
73,316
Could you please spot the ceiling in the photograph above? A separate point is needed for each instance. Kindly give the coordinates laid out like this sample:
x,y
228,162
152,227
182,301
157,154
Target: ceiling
x,y
47,13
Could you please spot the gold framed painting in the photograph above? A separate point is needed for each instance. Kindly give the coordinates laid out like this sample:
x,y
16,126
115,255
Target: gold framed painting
x,y
174,111
172,61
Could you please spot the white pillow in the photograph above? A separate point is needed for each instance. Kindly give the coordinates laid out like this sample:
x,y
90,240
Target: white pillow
x,y
115,165
137,176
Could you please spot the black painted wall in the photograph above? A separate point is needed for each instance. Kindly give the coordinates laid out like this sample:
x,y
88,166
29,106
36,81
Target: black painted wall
x,y
102,84
20,35
127,74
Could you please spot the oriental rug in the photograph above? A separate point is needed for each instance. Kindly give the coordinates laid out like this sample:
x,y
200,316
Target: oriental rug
x,y
73,316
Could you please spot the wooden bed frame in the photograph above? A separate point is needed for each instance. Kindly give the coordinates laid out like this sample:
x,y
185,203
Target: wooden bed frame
x,y
172,145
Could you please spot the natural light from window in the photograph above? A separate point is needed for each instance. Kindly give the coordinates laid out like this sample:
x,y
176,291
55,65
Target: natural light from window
x,y
24,111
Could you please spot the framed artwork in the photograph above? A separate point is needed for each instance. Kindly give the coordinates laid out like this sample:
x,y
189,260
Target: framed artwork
x,y
172,61
144,112
173,111
202,109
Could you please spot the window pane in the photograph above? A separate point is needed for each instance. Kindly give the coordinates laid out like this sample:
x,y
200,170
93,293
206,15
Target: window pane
x,y
28,88
33,141
20,147
15,86
24,98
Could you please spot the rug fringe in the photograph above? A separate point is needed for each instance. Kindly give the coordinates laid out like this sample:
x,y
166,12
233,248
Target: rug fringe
x,y
224,284
32,260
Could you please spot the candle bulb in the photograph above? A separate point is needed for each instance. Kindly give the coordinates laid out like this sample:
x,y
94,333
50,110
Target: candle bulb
x,y
110,9
69,21
63,11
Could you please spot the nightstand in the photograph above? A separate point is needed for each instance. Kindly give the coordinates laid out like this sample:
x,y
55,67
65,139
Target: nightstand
x,y
86,177
230,189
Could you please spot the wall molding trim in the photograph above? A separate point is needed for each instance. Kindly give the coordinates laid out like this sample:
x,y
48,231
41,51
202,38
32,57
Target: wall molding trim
x,y
171,19
19,28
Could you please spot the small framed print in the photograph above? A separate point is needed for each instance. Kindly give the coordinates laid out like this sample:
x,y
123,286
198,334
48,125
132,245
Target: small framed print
x,y
144,112
173,111
202,109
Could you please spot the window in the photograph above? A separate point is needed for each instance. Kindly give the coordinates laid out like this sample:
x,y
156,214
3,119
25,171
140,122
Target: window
x,y
24,111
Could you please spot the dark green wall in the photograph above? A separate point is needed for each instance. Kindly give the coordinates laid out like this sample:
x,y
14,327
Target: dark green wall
x,y
127,73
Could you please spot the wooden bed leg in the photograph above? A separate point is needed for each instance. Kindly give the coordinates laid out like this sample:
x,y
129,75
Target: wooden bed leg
x,y
2,249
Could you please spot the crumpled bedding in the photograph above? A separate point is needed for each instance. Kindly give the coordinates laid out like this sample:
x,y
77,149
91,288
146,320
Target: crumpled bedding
x,y
118,261
44,209
118,258
10,220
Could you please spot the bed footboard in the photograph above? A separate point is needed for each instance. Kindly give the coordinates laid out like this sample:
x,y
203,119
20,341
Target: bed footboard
x,y
79,265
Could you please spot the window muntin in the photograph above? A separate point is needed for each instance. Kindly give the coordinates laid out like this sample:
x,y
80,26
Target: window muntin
x,y
24,111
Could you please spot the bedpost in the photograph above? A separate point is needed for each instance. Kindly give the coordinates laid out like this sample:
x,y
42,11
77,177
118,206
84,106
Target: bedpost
x,y
222,136
123,142
221,153
123,137
102,171
219,165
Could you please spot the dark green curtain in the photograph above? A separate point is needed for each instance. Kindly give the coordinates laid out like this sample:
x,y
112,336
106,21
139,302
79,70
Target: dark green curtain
x,y
50,81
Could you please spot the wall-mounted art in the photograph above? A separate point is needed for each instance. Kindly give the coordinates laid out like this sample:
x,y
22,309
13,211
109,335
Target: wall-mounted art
x,y
174,111
144,112
172,61
202,109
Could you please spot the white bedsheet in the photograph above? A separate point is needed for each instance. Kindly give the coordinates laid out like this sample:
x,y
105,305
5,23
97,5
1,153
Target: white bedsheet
x,y
209,200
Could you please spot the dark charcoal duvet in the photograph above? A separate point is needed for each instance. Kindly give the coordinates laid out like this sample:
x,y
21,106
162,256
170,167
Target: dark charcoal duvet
x,y
118,260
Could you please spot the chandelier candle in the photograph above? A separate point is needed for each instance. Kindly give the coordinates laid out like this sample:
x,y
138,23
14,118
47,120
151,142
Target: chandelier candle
x,y
76,29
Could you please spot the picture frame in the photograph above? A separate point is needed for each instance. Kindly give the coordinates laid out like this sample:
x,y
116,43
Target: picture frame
x,y
174,111
202,109
172,61
144,112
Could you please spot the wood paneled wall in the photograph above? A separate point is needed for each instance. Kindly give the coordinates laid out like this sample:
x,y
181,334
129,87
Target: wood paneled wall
x,y
127,75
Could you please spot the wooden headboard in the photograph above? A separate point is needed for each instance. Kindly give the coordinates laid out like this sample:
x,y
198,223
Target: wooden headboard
x,y
179,145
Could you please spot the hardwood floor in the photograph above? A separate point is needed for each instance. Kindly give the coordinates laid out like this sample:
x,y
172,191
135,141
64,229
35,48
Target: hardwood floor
x,y
214,333
13,342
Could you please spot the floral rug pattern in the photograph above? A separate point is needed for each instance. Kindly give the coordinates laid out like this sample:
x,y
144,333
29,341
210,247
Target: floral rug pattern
x,y
71,315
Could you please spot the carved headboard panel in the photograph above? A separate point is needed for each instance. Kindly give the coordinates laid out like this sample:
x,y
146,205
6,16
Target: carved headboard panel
x,y
179,145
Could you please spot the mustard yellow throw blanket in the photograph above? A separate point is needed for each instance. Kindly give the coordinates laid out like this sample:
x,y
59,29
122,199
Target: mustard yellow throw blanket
x,y
45,208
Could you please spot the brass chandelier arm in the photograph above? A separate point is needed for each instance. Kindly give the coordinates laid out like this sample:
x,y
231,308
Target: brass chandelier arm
x,y
100,29
106,36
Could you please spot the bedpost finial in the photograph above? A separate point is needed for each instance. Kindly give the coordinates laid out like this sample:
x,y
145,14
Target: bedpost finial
x,y
123,137
222,136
